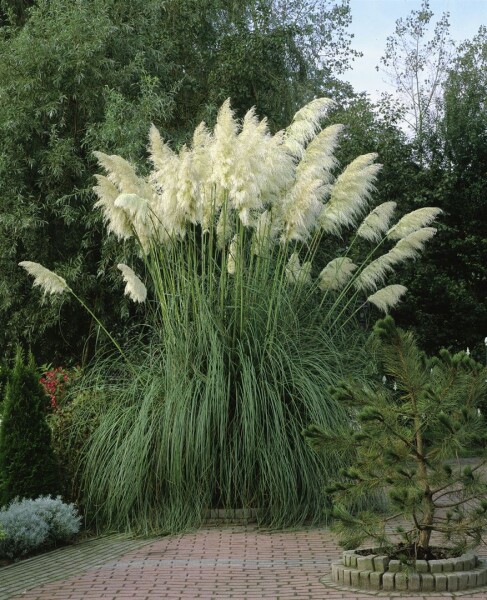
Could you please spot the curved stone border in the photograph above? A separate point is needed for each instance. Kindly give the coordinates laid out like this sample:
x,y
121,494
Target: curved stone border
x,y
377,573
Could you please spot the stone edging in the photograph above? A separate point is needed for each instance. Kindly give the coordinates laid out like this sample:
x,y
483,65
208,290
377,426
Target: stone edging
x,y
328,582
376,573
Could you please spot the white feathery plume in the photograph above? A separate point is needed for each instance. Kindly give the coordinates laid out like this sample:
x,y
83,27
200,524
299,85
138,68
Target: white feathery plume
x,y
134,289
223,147
139,214
413,221
169,218
137,208
201,168
116,218
159,151
411,245
377,222
374,274
318,159
45,279
249,177
336,274
297,273
264,235
281,169
187,192
122,174
305,124
301,208
387,297
224,227
349,194
232,256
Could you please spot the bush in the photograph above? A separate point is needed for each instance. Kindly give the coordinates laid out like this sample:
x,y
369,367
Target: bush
x,y
28,467
404,436
29,525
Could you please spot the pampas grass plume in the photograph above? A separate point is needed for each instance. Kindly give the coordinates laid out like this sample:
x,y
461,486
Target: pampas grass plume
x,y
387,297
48,281
336,274
413,221
377,222
134,289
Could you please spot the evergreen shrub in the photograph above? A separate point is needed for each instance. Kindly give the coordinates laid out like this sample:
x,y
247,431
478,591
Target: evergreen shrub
x,y
406,435
29,525
28,467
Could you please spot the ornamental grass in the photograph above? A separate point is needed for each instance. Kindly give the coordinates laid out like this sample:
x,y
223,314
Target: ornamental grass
x,y
245,329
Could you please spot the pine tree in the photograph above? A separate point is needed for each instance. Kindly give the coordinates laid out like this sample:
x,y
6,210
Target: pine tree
x,y
27,465
405,437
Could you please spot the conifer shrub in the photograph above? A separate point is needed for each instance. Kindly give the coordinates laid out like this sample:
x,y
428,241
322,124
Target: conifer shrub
x,y
406,436
28,467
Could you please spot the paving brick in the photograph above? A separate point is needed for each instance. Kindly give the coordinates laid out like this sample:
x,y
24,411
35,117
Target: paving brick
x,y
219,563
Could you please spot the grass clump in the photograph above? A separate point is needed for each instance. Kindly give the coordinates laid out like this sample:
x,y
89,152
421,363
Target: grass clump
x,y
245,329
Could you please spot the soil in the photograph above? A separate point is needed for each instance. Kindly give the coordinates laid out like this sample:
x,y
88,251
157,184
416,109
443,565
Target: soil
x,y
413,552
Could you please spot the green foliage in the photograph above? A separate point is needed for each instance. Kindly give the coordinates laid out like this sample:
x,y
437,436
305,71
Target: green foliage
x,y
101,73
32,525
92,63
27,464
405,437
449,286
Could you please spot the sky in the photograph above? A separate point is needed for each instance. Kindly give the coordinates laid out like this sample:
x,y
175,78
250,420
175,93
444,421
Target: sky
x,y
374,20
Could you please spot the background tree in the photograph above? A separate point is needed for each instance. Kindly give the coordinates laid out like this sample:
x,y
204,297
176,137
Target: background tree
x,y
100,75
417,65
448,290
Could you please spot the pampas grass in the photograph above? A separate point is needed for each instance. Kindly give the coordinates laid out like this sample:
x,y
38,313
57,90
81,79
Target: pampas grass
x,y
245,331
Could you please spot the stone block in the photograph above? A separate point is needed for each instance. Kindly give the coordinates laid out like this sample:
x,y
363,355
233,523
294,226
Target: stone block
x,y
440,582
457,564
365,563
427,582
401,582
364,580
436,566
481,577
347,577
448,566
381,563
388,582
463,580
472,579
353,560
394,566
346,558
375,580
469,562
421,566
414,582
340,573
452,582
334,571
354,578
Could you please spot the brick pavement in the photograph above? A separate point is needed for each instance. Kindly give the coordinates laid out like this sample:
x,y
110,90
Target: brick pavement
x,y
239,563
